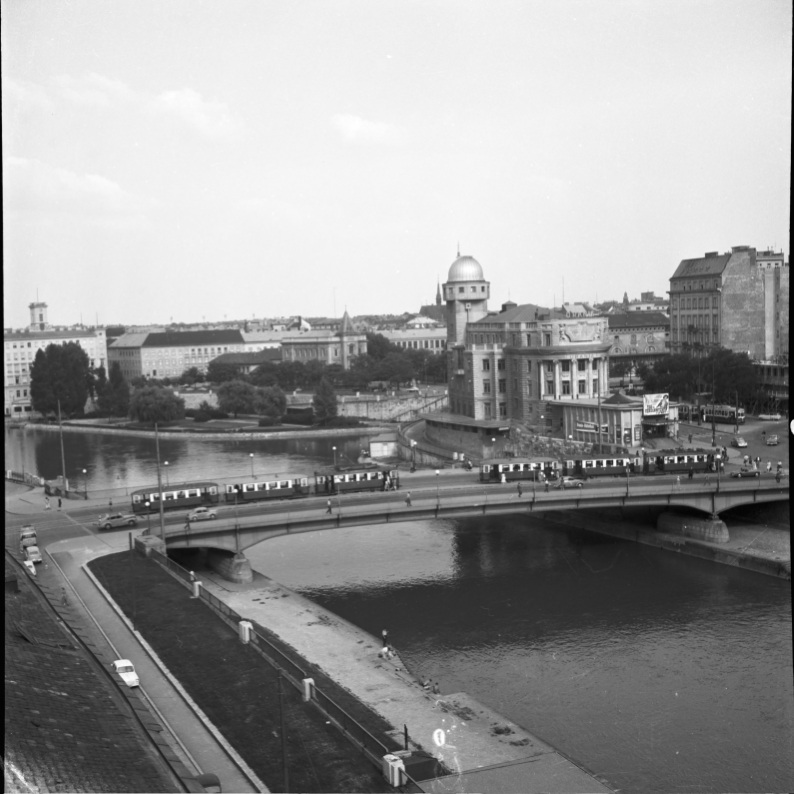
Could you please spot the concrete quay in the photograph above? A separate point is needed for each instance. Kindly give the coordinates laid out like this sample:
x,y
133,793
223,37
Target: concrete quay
x,y
467,736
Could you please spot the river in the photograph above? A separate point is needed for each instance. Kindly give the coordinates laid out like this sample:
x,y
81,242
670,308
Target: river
x,y
659,671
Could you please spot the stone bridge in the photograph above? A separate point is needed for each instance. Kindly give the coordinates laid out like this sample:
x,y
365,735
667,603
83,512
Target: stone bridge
x,y
230,534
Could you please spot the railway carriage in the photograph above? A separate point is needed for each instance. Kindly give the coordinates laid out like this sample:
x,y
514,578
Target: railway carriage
x,y
357,479
600,466
287,488
728,414
188,494
513,469
678,461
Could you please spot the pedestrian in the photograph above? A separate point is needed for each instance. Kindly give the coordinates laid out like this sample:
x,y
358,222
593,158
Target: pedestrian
x,y
328,507
690,438
64,599
408,499
503,479
769,465
780,465
678,482
763,435
520,492
436,690
744,460
59,502
192,576
385,635
691,473
758,461
426,685
546,486
110,503
47,503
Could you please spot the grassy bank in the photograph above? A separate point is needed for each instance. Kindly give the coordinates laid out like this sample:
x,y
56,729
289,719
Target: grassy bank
x,y
238,689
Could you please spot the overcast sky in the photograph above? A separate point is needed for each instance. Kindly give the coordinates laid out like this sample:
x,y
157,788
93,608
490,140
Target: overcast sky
x,y
226,159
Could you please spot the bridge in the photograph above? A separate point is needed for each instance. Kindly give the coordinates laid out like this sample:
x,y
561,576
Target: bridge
x,y
232,532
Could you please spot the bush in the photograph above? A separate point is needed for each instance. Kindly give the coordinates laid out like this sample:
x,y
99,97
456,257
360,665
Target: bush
x,y
267,421
299,418
216,414
201,416
343,421
190,413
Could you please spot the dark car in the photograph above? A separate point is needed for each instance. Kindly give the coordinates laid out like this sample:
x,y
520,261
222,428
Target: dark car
x,y
745,472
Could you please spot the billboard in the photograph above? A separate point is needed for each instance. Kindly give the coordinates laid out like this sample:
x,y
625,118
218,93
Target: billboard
x,y
655,404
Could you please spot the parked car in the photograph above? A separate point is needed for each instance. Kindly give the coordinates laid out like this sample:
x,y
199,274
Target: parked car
x,y
30,567
27,531
110,520
32,554
769,417
201,514
745,472
569,482
772,441
126,669
738,441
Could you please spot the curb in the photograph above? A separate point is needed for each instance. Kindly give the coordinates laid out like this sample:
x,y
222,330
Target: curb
x,y
175,683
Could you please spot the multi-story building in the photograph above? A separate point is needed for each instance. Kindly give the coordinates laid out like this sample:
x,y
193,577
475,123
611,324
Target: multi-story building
x,y
638,337
20,348
327,346
728,300
427,338
168,354
773,382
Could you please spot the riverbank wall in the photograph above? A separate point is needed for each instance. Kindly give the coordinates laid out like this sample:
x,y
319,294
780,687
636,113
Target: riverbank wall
x,y
763,550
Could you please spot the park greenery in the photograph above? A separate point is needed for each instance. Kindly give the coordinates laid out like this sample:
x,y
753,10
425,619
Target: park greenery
x,y
324,402
156,404
61,376
113,393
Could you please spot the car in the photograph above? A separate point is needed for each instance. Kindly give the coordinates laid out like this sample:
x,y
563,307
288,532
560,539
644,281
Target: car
x,y
772,441
738,441
110,520
27,531
29,567
769,417
201,514
569,482
745,472
126,670
32,554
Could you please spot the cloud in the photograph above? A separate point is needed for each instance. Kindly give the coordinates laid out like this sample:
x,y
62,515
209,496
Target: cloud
x,y
358,130
42,193
23,95
210,119
94,89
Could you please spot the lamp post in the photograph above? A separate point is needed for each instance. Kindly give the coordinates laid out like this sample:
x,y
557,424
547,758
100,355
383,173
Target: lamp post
x,y
493,448
251,455
334,449
413,455
713,426
148,519
85,483
438,493
167,483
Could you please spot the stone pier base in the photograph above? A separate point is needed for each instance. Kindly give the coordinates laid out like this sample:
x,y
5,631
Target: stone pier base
x,y
230,565
713,530
145,543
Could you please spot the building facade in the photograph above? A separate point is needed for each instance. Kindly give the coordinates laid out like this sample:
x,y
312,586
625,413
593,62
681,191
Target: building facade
x,y
426,338
20,348
728,300
638,337
327,346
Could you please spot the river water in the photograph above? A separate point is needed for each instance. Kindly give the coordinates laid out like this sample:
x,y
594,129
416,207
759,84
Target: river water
x,y
659,671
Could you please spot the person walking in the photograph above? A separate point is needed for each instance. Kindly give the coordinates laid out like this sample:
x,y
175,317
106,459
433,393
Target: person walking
x,y
546,486
408,499
59,503
520,492
47,503
690,438
678,482
436,689
691,473
328,508
503,479
385,636
769,465
110,503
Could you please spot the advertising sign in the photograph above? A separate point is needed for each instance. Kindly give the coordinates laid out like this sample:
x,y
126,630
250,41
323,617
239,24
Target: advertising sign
x,y
655,404
590,427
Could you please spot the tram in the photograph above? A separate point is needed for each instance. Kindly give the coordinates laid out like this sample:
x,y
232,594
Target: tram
x,y
188,494
268,489
356,479
727,414
600,466
678,461
511,469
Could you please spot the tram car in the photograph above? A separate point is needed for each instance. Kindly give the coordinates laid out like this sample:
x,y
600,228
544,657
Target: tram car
x,y
269,489
188,494
678,461
728,414
356,479
512,469
687,413
600,466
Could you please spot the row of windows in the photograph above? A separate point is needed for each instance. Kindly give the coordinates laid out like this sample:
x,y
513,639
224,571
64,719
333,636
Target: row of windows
x,y
462,290
696,320
690,285
420,343
649,338
697,303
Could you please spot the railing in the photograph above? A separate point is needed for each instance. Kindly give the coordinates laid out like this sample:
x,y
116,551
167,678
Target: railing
x,y
24,477
370,746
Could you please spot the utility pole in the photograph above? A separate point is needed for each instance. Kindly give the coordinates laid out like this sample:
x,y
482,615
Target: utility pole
x,y
159,482
283,733
63,457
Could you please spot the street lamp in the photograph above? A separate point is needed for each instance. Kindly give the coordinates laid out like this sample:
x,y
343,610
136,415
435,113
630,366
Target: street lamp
x,y
85,483
148,518
167,483
438,493
251,455
493,450
334,449
235,508
413,455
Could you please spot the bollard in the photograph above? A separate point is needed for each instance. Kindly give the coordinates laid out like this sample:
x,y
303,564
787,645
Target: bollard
x,y
245,627
308,689
196,590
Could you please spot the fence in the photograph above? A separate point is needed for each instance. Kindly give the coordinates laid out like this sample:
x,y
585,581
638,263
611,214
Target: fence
x,y
24,477
370,746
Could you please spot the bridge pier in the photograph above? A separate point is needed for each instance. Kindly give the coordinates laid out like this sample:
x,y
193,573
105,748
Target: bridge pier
x,y
712,529
231,565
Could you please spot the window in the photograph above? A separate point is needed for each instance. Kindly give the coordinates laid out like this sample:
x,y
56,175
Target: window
x,y
549,366
487,410
582,386
486,387
486,365
547,340
529,340
566,387
503,410
595,385
595,364
549,387
566,366
502,385
474,289
582,364
461,289
500,364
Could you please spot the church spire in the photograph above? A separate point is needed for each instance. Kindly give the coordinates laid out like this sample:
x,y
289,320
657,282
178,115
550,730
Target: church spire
x,y
438,292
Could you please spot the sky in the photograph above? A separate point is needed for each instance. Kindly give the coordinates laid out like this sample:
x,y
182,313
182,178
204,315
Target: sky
x,y
243,158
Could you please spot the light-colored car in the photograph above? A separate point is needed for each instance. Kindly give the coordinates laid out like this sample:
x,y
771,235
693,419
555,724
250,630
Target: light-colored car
x,y
201,514
772,441
111,520
32,554
738,441
126,670
769,417
569,482
27,531
746,472
29,567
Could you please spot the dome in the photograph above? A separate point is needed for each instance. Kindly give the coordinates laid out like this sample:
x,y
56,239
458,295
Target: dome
x,y
465,268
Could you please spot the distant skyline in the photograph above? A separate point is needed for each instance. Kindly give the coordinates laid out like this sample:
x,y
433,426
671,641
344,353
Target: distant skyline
x,y
243,159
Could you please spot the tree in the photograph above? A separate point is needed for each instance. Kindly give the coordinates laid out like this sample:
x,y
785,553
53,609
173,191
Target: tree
x,y
115,396
270,401
324,402
218,372
60,373
156,404
190,376
396,367
378,346
266,374
97,381
236,396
